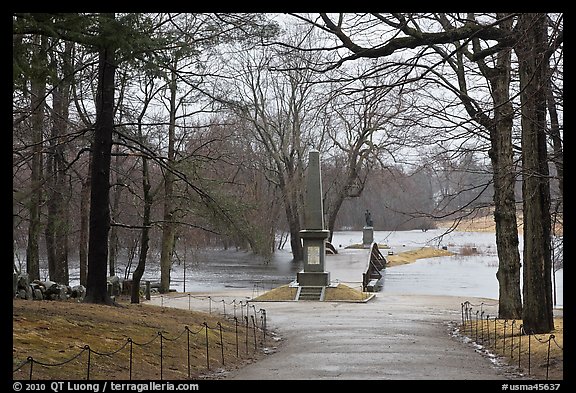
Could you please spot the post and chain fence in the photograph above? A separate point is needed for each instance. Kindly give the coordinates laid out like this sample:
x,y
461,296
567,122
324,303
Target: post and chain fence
x,y
509,339
245,337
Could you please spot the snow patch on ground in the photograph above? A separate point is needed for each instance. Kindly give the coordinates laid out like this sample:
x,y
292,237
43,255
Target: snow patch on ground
x,y
497,361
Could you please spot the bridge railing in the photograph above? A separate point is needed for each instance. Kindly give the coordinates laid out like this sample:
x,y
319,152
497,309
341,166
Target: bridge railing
x,y
376,263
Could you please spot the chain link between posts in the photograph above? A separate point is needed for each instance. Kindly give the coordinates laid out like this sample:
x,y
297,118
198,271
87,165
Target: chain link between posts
x,y
484,330
247,311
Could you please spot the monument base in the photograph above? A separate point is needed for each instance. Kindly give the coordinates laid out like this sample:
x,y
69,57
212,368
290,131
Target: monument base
x,y
313,279
368,236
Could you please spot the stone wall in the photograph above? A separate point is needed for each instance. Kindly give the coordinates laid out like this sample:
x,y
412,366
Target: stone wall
x,y
44,290
50,290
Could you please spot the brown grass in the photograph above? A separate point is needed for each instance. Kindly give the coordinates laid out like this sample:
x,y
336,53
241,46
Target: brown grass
x,y
412,255
340,292
468,250
360,246
345,293
483,221
53,332
282,293
478,223
529,353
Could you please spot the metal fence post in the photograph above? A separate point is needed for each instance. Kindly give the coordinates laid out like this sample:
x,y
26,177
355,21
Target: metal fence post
x,y
130,360
221,341
161,355
87,347
207,352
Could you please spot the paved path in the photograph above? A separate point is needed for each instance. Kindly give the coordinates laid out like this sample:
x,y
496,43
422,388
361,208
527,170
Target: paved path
x,y
392,336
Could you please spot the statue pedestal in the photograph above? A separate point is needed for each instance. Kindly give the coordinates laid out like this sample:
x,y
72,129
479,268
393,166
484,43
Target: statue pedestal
x,y
367,236
313,279
314,245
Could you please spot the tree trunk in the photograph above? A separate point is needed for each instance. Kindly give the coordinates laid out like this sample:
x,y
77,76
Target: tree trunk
x,y
145,236
538,310
340,191
332,214
56,231
556,137
113,239
290,186
504,175
168,228
38,91
84,222
332,209
295,241
96,281
508,274
168,235
290,202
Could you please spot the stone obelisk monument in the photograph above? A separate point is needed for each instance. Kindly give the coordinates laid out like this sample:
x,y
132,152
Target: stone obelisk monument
x,y
314,235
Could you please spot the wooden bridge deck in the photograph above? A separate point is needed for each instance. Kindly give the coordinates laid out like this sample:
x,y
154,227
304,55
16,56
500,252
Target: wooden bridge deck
x,y
348,266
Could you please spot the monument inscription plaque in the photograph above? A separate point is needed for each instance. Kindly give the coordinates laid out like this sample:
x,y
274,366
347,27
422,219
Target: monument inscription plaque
x,y
313,255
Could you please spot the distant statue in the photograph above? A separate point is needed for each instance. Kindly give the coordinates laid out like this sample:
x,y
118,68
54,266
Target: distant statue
x,y
368,218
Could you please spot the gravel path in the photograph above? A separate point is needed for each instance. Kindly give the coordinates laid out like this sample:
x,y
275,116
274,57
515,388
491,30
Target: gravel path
x,y
390,337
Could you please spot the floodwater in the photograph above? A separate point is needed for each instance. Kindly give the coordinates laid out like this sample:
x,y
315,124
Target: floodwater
x,y
458,275
219,270
216,270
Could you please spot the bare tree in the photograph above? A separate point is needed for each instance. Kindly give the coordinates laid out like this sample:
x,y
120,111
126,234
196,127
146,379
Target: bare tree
x,y
406,32
96,280
278,108
148,198
361,123
37,102
501,153
186,69
168,230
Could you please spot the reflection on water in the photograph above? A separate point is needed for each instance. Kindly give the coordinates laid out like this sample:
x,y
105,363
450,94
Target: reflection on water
x,y
221,269
217,270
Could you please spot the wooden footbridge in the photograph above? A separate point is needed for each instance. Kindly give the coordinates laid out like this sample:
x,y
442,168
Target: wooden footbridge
x,y
372,278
